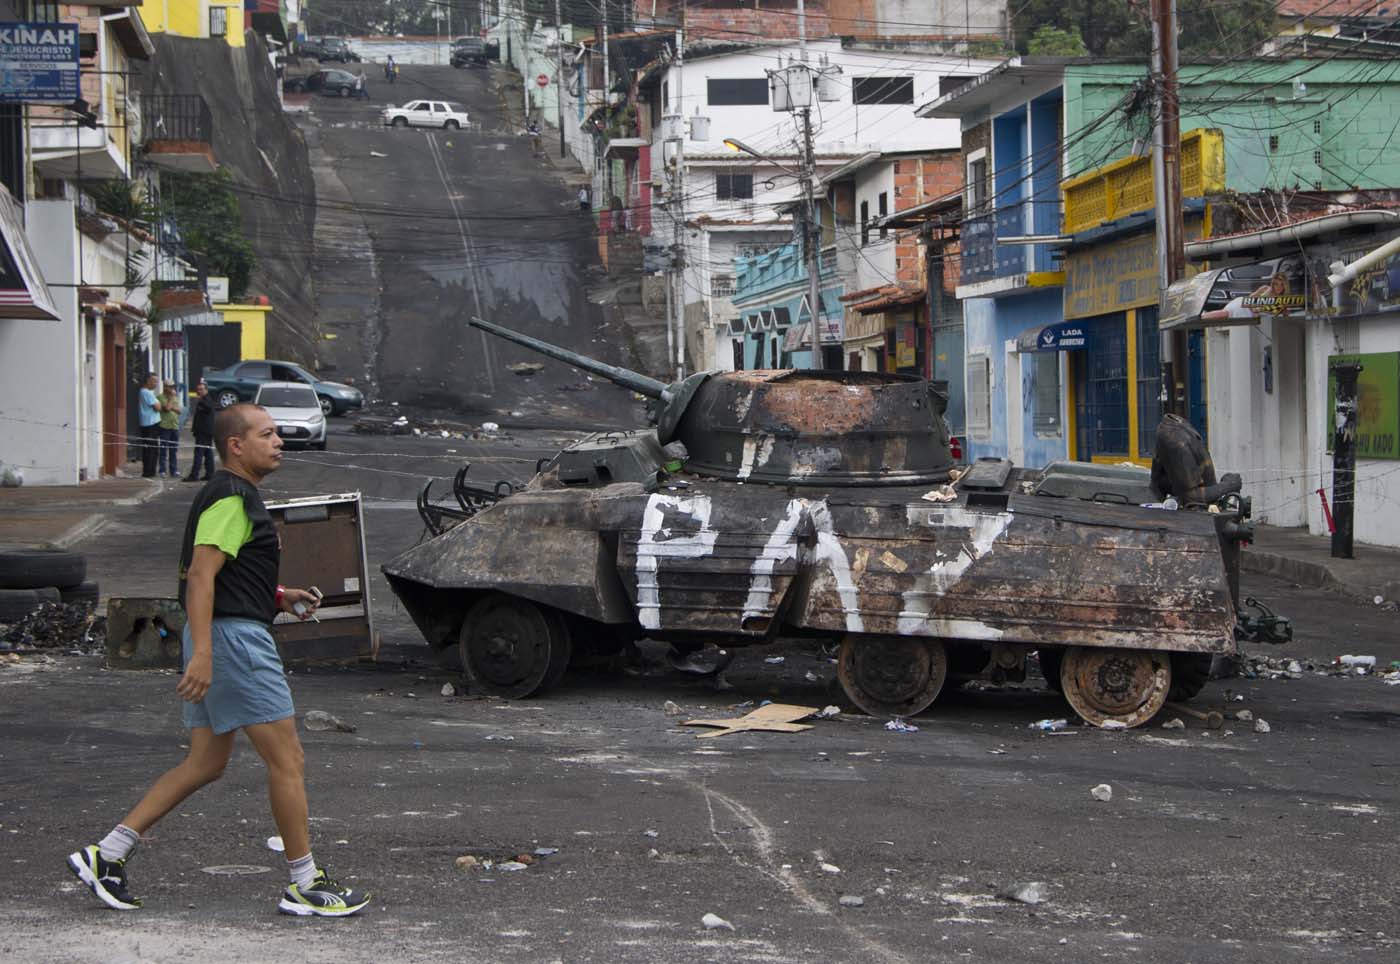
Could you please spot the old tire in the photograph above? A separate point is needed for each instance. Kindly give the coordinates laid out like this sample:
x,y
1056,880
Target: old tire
x,y
1126,687
15,604
506,646
561,650
1050,660
227,397
1190,673
399,122
451,125
88,594
892,675
26,568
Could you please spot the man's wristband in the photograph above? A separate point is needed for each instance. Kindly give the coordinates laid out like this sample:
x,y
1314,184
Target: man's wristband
x,y
277,597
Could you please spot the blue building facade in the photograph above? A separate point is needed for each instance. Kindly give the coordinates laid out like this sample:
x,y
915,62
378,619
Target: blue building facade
x,y
772,300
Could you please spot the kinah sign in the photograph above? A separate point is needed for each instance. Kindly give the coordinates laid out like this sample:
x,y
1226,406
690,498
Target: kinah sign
x,y
39,63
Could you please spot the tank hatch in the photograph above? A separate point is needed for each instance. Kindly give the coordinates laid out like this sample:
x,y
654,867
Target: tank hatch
x,y
805,427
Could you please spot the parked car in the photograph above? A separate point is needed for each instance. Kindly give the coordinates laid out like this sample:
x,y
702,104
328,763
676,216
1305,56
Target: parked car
x,y
332,83
327,48
239,383
295,411
469,51
427,113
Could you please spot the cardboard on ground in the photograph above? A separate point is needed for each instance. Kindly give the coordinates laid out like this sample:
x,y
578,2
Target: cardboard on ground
x,y
774,717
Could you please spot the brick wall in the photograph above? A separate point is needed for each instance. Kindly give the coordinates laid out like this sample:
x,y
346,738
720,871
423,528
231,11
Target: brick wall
x,y
918,180
730,23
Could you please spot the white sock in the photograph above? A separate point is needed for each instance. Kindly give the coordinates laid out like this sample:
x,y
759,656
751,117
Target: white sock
x,y
119,844
302,870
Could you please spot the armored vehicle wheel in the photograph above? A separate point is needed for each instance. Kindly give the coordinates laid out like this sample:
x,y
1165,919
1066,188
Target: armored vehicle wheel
x,y
506,646
561,649
892,676
1190,673
1127,686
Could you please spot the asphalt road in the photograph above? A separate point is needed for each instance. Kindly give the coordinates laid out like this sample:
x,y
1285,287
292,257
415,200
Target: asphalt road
x,y
1216,847
418,230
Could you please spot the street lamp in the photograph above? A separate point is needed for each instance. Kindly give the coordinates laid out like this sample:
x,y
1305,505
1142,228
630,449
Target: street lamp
x,y
811,234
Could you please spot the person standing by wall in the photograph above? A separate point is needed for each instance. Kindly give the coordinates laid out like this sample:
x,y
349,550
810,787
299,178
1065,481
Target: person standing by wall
x,y
233,678
202,427
170,409
148,413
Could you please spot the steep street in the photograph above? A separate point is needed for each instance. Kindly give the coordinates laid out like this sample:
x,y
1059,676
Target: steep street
x,y
418,230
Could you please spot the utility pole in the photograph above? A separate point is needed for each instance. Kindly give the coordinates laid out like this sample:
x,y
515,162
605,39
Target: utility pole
x,y
812,234
1344,460
678,202
559,75
802,29
607,72
1166,185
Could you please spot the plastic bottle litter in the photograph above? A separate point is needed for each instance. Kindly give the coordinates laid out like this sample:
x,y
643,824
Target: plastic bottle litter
x,y
1049,725
321,720
716,922
1102,793
899,726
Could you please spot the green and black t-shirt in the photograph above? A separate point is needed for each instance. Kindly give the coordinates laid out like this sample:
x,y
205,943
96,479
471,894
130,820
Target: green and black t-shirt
x,y
229,513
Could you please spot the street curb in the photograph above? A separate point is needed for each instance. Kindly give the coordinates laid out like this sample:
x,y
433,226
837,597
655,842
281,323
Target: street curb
x,y
89,527
1315,575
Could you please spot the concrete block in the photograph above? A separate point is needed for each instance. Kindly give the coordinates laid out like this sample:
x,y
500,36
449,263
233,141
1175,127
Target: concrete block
x,y
144,633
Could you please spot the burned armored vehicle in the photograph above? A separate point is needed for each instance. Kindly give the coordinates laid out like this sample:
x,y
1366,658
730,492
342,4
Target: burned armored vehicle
x,y
826,504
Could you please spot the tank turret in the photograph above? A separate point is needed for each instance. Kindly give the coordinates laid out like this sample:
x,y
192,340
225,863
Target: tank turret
x,y
791,427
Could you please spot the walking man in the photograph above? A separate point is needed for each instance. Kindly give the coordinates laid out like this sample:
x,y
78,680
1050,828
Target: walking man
x,y
233,677
148,414
170,409
361,86
202,426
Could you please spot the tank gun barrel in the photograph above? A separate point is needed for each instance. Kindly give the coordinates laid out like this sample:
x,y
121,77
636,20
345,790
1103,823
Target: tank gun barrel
x,y
640,384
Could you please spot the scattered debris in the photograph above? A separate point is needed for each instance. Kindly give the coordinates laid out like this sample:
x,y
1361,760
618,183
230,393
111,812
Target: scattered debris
x,y
501,737
672,708
812,677
275,845
320,720
1261,726
511,865
716,922
1113,725
775,660
944,493
448,689
1175,723
830,868
1369,662
467,862
1244,716
490,427
1102,793
546,851
773,717
1031,892
650,833
75,627
1048,725
851,900
526,368
828,712
377,154
897,725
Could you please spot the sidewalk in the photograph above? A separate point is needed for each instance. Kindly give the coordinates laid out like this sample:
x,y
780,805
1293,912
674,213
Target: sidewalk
x,y
1300,557
62,515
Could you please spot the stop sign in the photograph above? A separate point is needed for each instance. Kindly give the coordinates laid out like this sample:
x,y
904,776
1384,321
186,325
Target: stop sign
x,y
542,80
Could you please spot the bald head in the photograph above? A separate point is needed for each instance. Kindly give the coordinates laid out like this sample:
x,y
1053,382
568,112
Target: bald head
x,y
233,422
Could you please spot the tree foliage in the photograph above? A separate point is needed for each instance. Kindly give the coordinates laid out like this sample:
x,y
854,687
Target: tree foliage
x,y
205,209
1121,28
1052,41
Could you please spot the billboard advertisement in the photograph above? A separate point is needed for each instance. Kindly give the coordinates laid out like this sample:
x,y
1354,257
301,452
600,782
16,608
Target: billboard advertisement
x,y
38,63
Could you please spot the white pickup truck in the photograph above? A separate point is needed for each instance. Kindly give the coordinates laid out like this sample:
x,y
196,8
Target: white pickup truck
x,y
426,113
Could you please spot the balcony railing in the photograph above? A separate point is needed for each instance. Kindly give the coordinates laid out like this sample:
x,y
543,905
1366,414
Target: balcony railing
x,y
1124,186
177,117
722,286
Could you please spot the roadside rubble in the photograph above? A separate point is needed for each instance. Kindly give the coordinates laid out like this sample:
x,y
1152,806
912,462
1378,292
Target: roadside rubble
x,y
320,720
73,627
508,864
402,424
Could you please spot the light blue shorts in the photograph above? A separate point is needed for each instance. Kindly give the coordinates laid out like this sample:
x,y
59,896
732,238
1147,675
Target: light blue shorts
x,y
249,685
